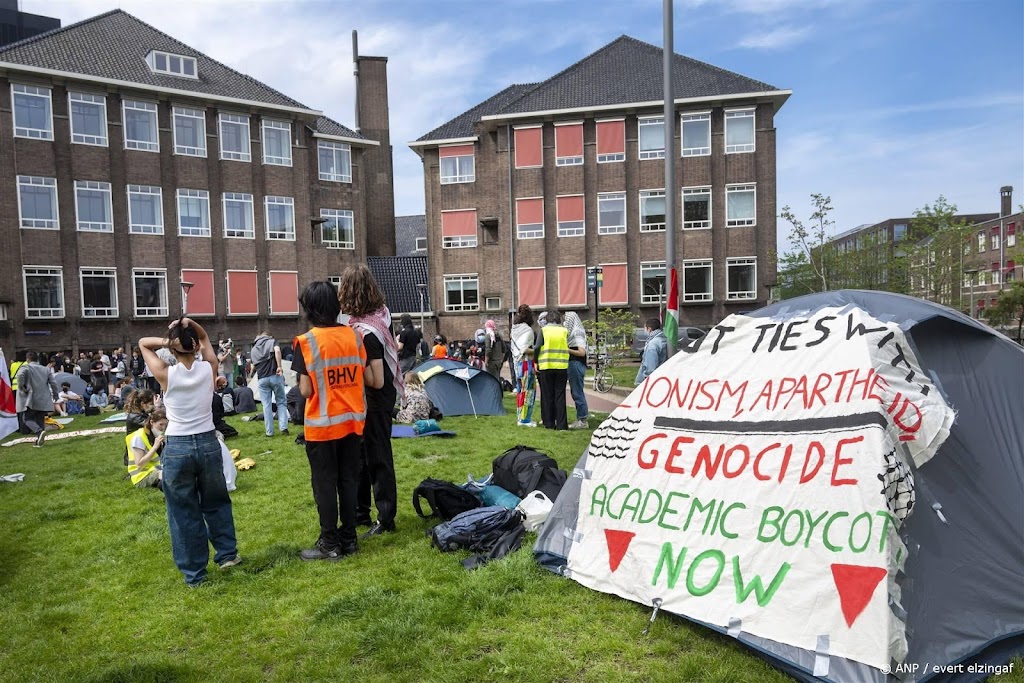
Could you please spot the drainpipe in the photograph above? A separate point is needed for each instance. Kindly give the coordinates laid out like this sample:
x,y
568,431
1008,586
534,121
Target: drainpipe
x,y
511,231
355,72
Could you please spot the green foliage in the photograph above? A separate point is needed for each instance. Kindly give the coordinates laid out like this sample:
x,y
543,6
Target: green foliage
x,y
614,327
810,264
1009,309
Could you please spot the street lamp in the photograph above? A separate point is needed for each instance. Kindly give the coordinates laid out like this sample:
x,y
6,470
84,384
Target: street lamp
x,y
185,286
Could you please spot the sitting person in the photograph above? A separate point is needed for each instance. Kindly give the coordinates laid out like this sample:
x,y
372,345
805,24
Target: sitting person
x,y
122,390
68,402
145,445
98,399
416,405
227,395
245,402
137,408
223,428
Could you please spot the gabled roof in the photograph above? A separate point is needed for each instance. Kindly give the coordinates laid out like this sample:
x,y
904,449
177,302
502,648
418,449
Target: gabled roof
x,y
326,126
113,47
462,125
398,277
407,229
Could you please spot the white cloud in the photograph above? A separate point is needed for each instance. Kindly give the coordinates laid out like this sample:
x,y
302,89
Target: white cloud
x,y
776,39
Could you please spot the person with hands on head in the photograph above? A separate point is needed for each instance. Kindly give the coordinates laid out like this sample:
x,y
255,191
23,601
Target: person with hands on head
x,y
145,445
198,505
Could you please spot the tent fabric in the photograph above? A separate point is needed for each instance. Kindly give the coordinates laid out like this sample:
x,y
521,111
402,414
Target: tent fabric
x,y
955,585
458,389
77,383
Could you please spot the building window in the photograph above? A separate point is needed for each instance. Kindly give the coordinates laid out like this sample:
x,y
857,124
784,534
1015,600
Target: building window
x,y
532,287
238,215
335,280
189,131
458,229
99,292
492,303
335,162
742,277
572,285
696,208
982,278
652,137
234,138
421,244
739,131
44,291
277,142
981,241
652,210
284,292
994,241
899,232
1011,234
457,164
194,213
697,280
3,312
570,215
568,144
1011,266
140,126
339,231
92,206
529,150
696,134
615,289
652,283
150,288
33,112
37,202
611,213
995,272
611,141
145,210
88,118
243,292
280,215
530,218
201,300
172,65
461,293
740,205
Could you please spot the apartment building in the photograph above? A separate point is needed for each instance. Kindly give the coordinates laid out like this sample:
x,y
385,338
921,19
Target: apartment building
x,y
132,163
531,187
993,256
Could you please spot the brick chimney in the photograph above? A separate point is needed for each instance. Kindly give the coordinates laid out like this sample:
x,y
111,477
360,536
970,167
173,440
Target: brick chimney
x,y
378,174
1006,200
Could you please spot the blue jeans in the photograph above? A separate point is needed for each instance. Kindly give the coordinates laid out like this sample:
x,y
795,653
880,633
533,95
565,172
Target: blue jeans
x,y
273,387
576,372
198,505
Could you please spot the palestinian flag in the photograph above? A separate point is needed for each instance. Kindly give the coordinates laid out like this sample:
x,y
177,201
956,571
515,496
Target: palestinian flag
x,y
670,322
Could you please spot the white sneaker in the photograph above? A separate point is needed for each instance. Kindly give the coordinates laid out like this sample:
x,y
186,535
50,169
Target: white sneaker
x,y
579,424
526,424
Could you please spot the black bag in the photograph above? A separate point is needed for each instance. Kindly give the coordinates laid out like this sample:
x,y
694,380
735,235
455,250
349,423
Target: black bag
x,y
477,530
89,411
446,500
524,469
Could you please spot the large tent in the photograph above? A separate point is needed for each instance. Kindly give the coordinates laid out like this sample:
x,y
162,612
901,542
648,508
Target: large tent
x,y
458,389
76,382
837,481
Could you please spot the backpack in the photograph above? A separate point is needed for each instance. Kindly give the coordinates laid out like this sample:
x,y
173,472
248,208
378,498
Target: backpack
x,y
477,530
524,469
446,500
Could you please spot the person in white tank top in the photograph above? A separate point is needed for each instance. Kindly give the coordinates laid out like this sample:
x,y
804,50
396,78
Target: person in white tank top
x,y
198,505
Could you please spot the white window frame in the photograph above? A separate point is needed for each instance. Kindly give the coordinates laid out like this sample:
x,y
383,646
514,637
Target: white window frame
x,y
39,223
94,226
1011,237
568,161
201,195
648,298
282,235
86,138
747,295
694,117
140,145
3,312
650,121
489,299
31,91
337,149
982,241
159,311
611,229
154,58
277,125
194,114
149,191
338,215
995,237
461,278
423,241
735,115
737,188
43,271
616,157
650,227
532,233
514,160
335,280
243,198
234,120
462,175
575,231
457,241
93,311
697,192
699,297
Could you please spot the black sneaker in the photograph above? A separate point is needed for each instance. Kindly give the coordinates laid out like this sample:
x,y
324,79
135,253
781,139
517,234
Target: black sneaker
x,y
377,529
323,551
364,521
39,439
284,432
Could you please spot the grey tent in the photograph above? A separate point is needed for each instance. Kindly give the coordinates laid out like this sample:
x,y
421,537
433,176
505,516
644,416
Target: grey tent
x,y
940,585
458,389
76,382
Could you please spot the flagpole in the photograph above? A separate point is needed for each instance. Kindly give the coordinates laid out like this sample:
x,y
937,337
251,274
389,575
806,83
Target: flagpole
x,y
671,322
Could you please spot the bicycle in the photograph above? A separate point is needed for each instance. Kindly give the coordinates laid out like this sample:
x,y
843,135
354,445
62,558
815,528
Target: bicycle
x,y
603,379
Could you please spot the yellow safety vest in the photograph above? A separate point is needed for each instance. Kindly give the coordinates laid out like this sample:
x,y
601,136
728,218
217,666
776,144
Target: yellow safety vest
x,y
140,473
554,353
14,374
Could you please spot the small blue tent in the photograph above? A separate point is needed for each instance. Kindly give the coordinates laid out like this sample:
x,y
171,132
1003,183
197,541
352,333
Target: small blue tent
x,y
458,389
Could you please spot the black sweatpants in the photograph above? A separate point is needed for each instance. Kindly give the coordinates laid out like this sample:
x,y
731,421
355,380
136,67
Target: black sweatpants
x,y
334,468
552,398
378,470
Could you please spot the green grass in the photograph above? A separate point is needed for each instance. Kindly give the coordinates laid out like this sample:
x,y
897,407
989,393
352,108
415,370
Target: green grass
x,y
90,592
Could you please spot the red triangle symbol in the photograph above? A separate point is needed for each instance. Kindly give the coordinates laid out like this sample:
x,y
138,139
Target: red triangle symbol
x,y
856,585
618,544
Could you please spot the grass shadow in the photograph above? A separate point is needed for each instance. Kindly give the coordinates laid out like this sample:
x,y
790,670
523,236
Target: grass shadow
x,y
146,672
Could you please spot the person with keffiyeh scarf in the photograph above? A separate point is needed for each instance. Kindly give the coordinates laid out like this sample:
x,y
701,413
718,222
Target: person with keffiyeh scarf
x,y
362,299
577,368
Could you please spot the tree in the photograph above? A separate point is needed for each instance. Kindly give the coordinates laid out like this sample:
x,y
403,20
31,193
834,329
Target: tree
x,y
1009,309
614,327
935,253
811,256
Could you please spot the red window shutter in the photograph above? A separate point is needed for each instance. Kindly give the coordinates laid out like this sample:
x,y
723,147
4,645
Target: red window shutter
x,y
529,151
615,289
611,137
1011,264
570,208
455,151
995,265
569,140
1011,228
993,302
243,297
529,211
200,297
532,287
572,286
284,293
458,223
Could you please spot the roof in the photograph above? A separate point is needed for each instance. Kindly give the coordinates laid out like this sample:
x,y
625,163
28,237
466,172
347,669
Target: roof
x,y
398,277
326,126
626,71
407,229
114,45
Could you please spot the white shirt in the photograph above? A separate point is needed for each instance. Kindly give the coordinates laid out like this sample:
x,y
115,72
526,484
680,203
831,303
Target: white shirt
x,y
189,399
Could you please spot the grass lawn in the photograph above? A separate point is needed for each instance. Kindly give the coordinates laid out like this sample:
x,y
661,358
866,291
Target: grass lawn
x,y
91,594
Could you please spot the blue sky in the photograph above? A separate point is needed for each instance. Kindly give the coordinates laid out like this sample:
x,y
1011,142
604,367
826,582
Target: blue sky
x,y
893,103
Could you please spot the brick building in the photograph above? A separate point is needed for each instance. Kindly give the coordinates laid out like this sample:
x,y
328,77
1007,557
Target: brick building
x,y
131,163
993,256
540,181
